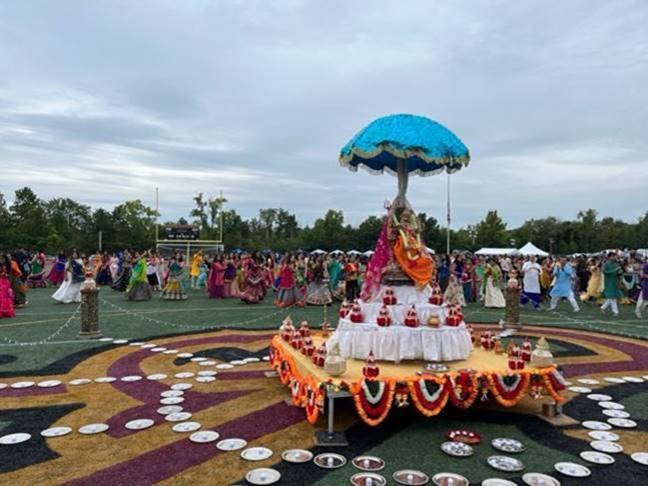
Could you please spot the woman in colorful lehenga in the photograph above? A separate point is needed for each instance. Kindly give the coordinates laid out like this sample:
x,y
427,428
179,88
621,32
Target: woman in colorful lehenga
x,y
104,277
318,291
36,276
255,286
70,289
595,282
492,292
288,294
6,294
216,279
230,288
138,287
335,272
124,270
453,294
17,285
173,290
56,274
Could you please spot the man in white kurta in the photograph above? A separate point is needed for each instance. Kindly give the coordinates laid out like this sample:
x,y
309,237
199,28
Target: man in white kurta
x,y
531,283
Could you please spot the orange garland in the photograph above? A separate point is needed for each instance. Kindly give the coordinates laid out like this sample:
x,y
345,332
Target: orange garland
x,y
525,376
411,384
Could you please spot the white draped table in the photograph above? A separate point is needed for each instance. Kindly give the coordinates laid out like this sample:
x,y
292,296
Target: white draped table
x,y
397,342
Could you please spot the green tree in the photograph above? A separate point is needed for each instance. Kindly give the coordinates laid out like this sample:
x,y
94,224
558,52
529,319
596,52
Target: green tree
x,y
29,224
70,223
135,225
491,231
367,233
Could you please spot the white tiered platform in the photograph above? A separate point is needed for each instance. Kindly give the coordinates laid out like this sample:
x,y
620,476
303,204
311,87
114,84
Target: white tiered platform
x,y
399,342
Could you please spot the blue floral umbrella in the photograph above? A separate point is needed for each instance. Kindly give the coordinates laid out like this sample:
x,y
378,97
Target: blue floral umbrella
x,y
404,144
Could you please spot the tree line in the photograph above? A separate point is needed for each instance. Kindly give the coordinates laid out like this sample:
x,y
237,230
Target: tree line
x,y
62,223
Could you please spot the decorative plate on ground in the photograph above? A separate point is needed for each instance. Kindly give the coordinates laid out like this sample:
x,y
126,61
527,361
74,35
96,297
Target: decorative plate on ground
x,y
510,446
207,363
105,339
181,386
465,436
611,405
156,377
17,438
614,379
266,358
539,479
148,346
448,478
597,457
49,383
435,367
204,436
296,456
497,482
603,435
56,431
457,449
136,343
252,359
198,359
633,379
169,409
263,475
22,384
184,374
93,429
256,453
599,397
120,341
616,413
368,478
624,423
572,469
224,366
177,416
411,477
579,389
185,355
158,350
139,424
80,381
207,373
170,351
3,386
205,379
237,362
186,427
606,446
105,379
330,460
131,378
640,457
588,381
233,444
171,393
596,425
368,463
172,400
505,463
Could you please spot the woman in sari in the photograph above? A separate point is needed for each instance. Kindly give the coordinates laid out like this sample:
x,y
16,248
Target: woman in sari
x,y
229,280
255,286
318,291
17,285
288,294
595,282
104,277
138,287
6,294
56,274
216,279
453,294
173,290
492,292
124,270
70,289
36,276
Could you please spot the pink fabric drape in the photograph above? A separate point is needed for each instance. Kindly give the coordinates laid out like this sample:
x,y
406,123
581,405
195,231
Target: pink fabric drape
x,y
379,260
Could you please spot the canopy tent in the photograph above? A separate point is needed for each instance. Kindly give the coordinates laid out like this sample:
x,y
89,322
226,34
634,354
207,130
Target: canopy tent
x,y
354,252
336,252
318,252
368,253
497,251
430,250
531,249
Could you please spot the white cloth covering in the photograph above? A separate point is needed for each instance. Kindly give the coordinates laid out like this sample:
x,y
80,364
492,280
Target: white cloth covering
x,y
397,312
397,343
406,294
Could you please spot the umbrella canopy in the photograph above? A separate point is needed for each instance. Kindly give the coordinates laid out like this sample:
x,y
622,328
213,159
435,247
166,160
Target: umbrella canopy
x,y
531,249
497,251
403,144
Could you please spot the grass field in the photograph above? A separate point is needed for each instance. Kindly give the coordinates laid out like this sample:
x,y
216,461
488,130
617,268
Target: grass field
x,y
42,317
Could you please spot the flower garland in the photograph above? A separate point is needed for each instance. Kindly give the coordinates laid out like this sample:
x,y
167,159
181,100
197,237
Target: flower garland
x,y
551,389
426,402
508,390
463,389
373,405
314,402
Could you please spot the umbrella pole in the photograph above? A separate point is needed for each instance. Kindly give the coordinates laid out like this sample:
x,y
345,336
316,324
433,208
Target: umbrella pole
x,y
403,176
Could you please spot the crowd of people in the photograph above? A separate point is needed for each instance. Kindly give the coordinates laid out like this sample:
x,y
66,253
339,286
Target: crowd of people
x,y
303,279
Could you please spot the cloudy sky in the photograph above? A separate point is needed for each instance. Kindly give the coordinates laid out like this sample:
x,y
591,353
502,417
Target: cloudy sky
x,y
102,101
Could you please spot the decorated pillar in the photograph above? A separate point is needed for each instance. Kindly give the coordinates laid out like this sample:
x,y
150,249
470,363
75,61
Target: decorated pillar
x,y
512,311
90,314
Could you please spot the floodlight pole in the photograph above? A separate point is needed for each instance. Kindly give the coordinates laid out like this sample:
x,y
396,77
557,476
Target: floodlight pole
x,y
448,217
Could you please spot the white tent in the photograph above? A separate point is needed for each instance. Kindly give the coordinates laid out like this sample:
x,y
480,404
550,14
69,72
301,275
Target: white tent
x,y
497,251
318,252
430,250
531,249
336,252
354,252
368,253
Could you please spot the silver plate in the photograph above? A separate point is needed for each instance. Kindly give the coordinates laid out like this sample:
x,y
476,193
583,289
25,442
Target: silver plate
x,y
539,479
296,456
445,478
510,446
330,460
224,366
457,449
120,341
640,457
185,374
411,477
606,446
596,425
171,393
169,409
198,359
185,355
80,382
365,478
256,453
22,384
611,405
186,427
252,360
148,346
93,429
597,457
616,413
588,381
572,469
614,379
233,444
368,463
204,436
158,350
156,377
603,435
139,424
17,438
205,379
177,417
599,397
505,463
497,482
237,362
207,373
633,379
207,363
48,383
105,379
579,389
172,400
263,475
181,386
131,378
56,431
170,351
624,423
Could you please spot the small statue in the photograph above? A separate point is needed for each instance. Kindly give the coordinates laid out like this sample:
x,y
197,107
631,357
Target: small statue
x,y
334,364
541,356
389,298
383,319
411,317
370,370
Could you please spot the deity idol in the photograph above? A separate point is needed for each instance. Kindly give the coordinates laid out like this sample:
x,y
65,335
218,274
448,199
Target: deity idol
x,y
408,249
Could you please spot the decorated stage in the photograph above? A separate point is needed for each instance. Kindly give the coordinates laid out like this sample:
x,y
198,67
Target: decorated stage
x,y
483,376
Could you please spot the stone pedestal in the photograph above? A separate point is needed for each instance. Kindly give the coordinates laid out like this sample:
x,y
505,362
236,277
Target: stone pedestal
x,y
512,311
90,314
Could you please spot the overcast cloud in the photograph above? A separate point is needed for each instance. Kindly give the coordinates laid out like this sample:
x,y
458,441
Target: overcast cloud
x,y
102,101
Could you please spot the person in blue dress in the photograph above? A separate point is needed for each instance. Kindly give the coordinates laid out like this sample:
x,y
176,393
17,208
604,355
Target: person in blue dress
x,y
563,274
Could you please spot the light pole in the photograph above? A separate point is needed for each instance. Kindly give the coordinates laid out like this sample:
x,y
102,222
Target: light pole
x,y
448,217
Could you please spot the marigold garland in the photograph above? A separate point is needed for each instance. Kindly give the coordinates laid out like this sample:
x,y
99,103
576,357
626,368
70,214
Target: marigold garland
x,y
427,408
458,395
373,414
508,398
